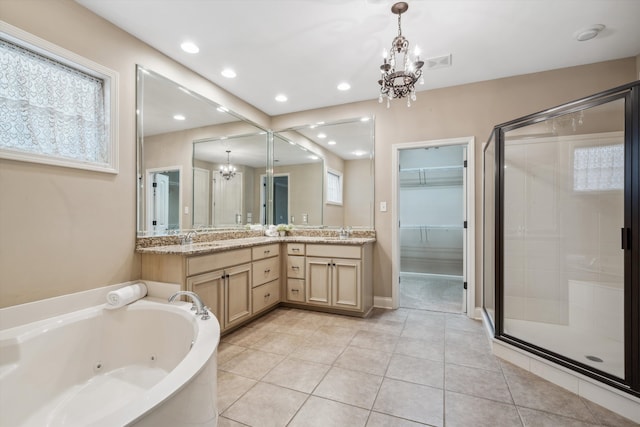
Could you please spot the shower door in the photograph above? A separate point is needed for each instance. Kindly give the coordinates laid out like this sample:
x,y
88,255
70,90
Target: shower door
x,y
566,196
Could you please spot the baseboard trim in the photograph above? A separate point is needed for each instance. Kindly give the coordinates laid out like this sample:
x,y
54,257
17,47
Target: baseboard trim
x,y
383,302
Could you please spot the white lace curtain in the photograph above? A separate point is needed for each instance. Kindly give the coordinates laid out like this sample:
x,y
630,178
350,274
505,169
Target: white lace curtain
x,y
51,109
598,168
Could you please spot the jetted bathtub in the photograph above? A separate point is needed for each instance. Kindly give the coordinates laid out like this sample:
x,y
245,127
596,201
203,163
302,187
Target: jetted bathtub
x,y
146,364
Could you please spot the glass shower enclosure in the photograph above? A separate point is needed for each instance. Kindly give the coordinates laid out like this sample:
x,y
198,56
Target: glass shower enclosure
x,y
561,235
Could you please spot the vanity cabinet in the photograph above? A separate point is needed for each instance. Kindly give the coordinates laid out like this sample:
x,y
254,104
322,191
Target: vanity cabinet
x,y
295,272
335,278
265,292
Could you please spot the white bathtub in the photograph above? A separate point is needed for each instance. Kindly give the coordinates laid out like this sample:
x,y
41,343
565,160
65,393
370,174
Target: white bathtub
x,y
132,366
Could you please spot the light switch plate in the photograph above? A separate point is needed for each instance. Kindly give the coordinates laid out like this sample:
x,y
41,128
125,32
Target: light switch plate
x,y
383,206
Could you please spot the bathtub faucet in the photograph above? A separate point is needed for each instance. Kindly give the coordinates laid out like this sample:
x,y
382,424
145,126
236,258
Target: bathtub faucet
x,y
201,309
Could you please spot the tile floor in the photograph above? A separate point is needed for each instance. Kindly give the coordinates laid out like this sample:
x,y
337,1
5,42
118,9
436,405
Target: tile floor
x,y
431,292
400,368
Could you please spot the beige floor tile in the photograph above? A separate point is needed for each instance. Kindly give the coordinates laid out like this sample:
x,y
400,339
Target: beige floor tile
x,y
462,410
252,364
226,422
331,335
244,336
533,418
374,341
266,405
230,388
399,314
461,322
318,353
351,387
423,332
377,419
608,418
364,360
318,412
477,382
299,327
227,351
297,375
413,402
424,349
279,343
426,318
415,370
531,391
389,327
468,349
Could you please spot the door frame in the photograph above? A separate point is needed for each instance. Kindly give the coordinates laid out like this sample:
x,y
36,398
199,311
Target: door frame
x,y
469,142
149,197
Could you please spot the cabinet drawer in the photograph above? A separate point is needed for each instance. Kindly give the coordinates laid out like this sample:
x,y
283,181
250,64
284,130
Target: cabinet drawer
x,y
295,248
204,263
265,251
295,267
266,295
266,270
334,251
295,290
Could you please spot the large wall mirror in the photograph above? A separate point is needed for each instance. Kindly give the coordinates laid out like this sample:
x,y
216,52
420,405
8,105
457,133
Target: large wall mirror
x,y
339,192
201,166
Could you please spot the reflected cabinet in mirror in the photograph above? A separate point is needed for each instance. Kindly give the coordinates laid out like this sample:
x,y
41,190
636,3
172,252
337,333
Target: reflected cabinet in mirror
x,y
201,166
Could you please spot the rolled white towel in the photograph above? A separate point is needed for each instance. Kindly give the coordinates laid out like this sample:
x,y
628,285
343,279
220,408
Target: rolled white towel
x,y
126,295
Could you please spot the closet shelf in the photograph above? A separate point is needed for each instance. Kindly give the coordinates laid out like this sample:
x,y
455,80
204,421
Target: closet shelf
x,y
430,227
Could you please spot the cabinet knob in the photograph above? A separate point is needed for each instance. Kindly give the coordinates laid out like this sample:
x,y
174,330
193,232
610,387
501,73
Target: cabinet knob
x,y
267,271
266,252
295,249
267,295
295,267
295,290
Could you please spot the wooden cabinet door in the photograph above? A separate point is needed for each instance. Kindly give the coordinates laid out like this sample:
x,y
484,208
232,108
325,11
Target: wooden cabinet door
x,y
210,287
346,283
318,286
238,294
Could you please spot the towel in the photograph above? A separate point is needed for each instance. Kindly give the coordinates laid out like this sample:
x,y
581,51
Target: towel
x,y
126,295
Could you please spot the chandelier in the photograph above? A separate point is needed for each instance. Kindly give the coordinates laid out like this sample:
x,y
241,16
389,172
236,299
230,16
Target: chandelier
x,y
400,83
227,171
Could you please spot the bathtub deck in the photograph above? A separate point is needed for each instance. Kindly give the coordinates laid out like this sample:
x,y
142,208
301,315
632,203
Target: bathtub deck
x,y
103,394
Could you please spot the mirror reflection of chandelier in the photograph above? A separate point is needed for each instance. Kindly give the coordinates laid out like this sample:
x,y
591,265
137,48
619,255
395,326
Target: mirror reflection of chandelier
x,y
227,171
400,83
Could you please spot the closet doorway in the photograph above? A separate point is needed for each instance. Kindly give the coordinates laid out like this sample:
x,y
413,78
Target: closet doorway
x,y
432,225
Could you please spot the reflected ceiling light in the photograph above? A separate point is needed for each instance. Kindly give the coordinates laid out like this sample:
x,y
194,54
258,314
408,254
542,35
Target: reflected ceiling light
x,y
314,157
227,171
322,135
222,109
179,117
281,98
344,86
332,142
228,73
365,119
400,82
359,153
190,47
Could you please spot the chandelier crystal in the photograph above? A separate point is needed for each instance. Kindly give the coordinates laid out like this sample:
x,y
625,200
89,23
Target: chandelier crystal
x,y
400,82
227,171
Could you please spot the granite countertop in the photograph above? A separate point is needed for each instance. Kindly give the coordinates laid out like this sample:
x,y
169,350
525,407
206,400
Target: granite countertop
x,y
202,248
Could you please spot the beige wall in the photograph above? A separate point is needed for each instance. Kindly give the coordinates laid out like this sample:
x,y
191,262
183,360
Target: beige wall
x,y
305,191
357,185
65,230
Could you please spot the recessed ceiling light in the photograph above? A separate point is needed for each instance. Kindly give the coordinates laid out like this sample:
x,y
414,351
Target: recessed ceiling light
x,y
314,157
344,86
332,142
190,47
179,117
281,98
589,33
359,153
322,135
228,73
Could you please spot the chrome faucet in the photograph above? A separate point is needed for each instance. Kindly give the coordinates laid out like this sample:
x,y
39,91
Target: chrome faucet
x,y
345,232
187,239
200,308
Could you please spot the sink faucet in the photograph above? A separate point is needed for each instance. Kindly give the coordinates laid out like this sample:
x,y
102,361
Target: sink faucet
x,y
187,239
345,232
201,309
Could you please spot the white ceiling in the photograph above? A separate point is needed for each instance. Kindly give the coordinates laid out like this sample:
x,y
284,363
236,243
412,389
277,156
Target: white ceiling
x,y
304,48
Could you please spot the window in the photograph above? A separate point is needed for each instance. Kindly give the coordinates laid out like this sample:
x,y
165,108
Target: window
x,y
56,107
598,168
334,187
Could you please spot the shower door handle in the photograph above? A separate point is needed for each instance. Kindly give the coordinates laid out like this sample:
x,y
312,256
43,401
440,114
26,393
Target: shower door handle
x,y
625,238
